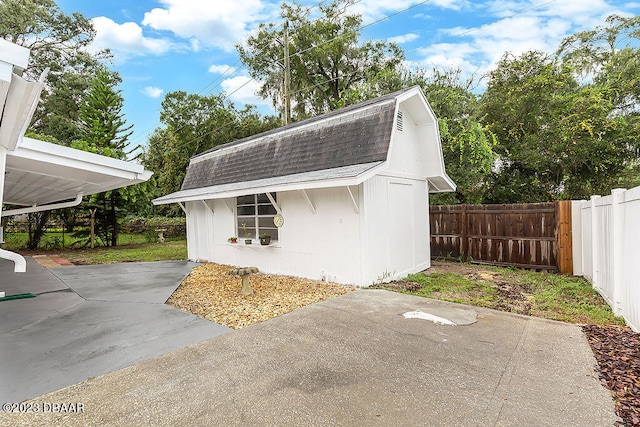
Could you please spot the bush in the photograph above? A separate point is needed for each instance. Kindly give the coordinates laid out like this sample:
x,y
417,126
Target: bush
x,y
176,227
50,242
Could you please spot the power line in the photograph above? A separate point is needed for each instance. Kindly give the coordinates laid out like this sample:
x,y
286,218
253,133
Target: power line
x,y
307,50
216,82
360,28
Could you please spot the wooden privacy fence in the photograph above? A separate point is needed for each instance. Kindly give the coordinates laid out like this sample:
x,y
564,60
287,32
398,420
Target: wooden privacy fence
x,y
534,235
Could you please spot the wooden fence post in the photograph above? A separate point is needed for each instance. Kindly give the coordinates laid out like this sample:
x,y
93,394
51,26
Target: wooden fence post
x,y
564,239
464,244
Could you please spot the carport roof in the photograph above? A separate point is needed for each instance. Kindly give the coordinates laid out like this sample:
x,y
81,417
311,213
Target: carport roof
x,y
39,173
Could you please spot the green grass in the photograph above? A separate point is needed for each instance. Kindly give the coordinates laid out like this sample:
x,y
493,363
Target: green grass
x,y
130,248
58,240
454,288
173,250
551,296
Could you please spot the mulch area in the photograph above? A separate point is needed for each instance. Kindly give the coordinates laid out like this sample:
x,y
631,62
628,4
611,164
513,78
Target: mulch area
x,y
617,351
212,293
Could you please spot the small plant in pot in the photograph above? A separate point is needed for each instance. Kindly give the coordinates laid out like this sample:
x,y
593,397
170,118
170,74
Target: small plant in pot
x,y
265,239
247,234
232,240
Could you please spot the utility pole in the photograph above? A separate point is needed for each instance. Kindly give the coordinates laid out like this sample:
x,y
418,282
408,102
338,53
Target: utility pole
x,y
286,119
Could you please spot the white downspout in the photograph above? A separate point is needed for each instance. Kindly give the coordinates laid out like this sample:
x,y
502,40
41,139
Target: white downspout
x,y
20,264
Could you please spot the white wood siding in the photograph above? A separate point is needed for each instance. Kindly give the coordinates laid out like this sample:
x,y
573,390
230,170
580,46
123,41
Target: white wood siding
x,y
396,222
412,149
324,245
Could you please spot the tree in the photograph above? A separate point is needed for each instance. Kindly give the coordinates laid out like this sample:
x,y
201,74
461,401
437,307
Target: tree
x,y
104,131
558,139
467,144
330,68
610,56
522,101
103,128
193,124
58,43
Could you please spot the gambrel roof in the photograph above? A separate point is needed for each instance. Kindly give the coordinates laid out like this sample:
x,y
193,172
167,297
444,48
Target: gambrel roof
x,y
350,136
342,147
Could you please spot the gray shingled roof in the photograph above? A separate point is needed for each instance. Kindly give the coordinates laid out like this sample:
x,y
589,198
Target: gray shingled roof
x,y
353,135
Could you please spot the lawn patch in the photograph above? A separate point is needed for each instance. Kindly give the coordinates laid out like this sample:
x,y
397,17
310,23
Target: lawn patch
x,y
547,295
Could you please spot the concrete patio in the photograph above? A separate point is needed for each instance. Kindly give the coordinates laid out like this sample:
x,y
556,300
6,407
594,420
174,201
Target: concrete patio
x,y
356,360
87,321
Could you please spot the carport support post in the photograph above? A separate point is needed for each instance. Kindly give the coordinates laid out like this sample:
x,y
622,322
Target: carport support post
x,y
20,264
93,225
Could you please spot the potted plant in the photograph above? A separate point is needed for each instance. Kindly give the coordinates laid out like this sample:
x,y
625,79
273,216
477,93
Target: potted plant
x,y
265,239
232,239
247,234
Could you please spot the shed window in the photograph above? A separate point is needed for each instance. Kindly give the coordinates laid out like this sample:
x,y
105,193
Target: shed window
x,y
256,213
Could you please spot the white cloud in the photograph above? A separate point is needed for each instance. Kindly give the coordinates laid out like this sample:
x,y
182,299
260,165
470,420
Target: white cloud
x,y
243,90
405,38
152,91
222,69
219,24
126,39
518,26
375,9
195,45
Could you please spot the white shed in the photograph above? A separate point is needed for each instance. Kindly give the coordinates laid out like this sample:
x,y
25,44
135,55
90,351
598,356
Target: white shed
x,y
351,186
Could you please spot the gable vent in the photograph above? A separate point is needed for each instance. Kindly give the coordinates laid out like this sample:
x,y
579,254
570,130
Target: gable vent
x,y
399,121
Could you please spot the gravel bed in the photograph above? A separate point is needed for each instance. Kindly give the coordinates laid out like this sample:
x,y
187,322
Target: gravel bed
x,y
212,293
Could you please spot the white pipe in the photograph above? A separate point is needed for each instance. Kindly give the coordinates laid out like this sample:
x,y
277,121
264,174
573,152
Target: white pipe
x,y
74,202
18,260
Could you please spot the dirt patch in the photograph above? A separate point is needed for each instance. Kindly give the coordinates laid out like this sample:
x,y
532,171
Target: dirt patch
x,y
398,286
512,297
466,270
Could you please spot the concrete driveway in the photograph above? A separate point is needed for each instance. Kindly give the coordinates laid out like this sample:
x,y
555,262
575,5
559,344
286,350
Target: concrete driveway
x,y
356,360
87,321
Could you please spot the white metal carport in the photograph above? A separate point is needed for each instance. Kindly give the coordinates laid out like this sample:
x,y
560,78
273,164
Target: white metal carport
x,y
38,175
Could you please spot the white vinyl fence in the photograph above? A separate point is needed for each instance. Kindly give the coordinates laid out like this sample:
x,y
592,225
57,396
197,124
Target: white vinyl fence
x,y
606,249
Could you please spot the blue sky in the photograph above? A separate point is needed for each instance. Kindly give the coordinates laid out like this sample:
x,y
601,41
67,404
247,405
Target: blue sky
x,y
167,45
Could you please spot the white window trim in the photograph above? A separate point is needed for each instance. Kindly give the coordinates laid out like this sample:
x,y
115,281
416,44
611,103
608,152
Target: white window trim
x,y
257,217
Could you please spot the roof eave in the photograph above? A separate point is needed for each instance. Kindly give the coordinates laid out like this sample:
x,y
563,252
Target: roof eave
x,y
256,187
441,184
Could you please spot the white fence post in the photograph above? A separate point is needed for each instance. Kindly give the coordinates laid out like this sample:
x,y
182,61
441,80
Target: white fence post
x,y
617,237
576,237
594,242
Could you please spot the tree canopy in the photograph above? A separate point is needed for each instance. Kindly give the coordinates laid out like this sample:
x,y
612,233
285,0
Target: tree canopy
x,y
193,124
567,125
330,65
58,42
